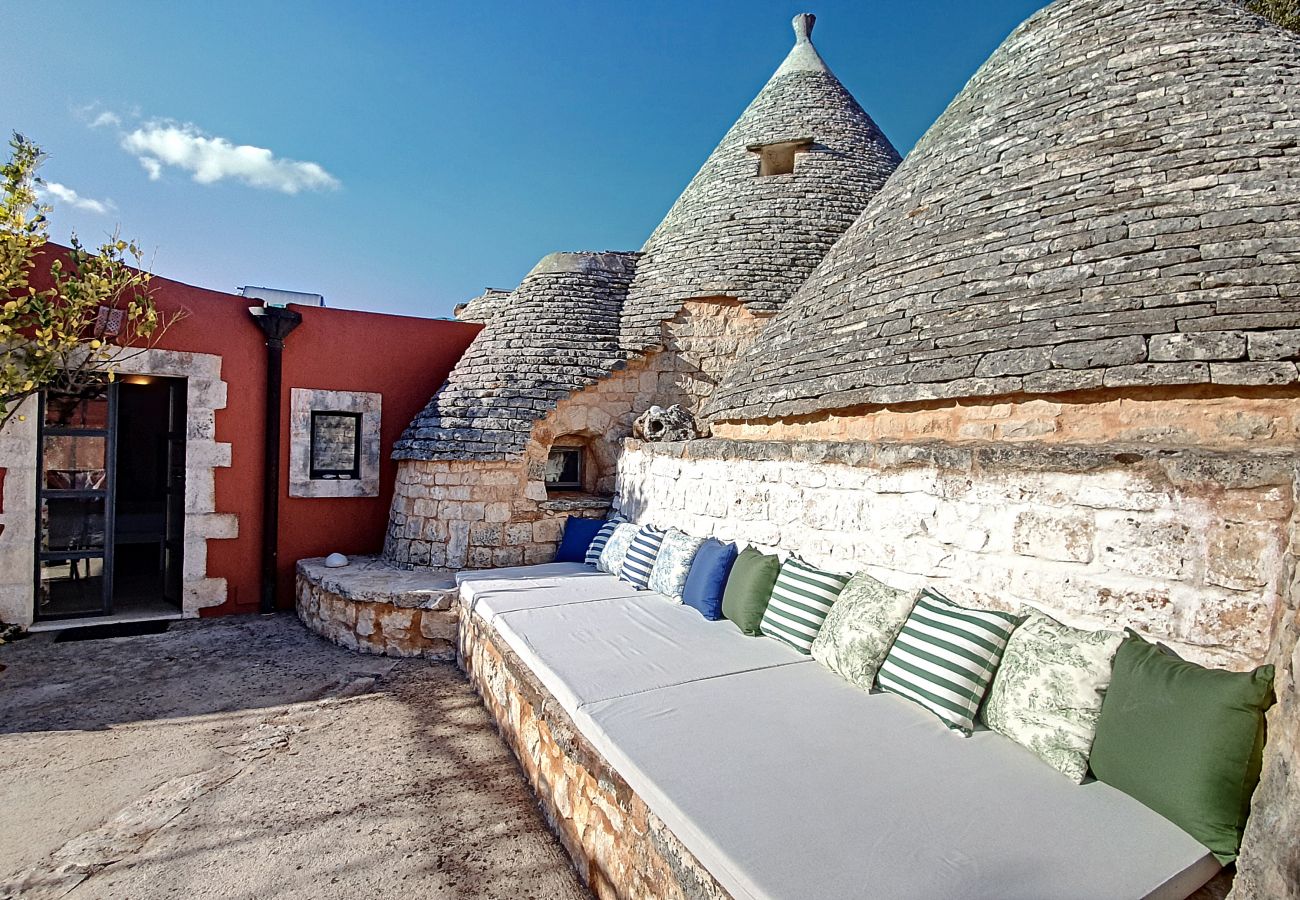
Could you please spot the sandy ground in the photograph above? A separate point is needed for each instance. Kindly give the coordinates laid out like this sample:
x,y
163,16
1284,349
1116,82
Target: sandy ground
x,y
247,758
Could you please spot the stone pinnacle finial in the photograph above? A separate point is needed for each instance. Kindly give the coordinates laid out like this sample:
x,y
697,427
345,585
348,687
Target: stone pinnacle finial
x,y
803,26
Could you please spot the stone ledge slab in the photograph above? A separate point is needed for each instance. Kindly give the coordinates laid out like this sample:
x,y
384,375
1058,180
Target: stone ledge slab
x,y
1232,469
368,579
375,608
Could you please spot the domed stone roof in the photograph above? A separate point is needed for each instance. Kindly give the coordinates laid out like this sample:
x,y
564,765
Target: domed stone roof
x,y
1113,200
556,333
736,233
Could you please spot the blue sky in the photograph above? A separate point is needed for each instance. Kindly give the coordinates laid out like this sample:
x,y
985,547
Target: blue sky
x,y
414,154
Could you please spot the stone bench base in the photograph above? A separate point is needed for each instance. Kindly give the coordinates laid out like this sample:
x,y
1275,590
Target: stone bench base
x,y
373,607
618,846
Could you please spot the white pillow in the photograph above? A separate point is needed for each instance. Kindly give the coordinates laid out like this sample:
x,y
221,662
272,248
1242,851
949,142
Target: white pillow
x,y
860,629
673,564
1047,693
611,558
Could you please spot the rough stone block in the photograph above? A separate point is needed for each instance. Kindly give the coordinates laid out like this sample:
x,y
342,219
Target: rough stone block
x,y
1121,351
1208,345
1154,547
1061,535
1275,345
1239,556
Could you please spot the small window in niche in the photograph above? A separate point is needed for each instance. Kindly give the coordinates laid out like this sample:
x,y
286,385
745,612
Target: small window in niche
x,y
564,469
778,158
335,445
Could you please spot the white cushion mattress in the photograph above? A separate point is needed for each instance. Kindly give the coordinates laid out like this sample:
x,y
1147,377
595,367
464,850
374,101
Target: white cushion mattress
x,y
788,782
491,592
586,652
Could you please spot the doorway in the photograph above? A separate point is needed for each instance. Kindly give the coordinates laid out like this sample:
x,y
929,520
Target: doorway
x,y
111,503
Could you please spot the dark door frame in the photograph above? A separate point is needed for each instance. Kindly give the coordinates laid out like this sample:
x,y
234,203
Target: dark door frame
x,y
174,514
106,493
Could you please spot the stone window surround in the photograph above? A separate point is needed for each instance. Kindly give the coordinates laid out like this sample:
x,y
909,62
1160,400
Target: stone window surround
x,y
205,394
304,401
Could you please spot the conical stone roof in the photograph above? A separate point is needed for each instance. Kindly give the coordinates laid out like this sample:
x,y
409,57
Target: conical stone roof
x,y
755,238
1113,200
556,333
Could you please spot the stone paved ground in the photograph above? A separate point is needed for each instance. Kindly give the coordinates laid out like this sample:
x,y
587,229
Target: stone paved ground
x,y
246,758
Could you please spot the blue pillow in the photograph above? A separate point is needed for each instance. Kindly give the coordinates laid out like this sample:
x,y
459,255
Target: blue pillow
x,y
708,576
578,533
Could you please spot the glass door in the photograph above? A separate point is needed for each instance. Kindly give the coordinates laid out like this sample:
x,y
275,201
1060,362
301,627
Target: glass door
x,y
74,529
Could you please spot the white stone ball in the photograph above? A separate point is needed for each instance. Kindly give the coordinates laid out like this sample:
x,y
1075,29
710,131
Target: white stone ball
x,y
336,561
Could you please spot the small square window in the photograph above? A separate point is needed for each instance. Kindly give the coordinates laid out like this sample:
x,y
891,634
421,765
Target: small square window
x,y
778,158
564,469
335,445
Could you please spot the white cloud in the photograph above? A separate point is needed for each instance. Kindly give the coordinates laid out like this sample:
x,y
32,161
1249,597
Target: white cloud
x,y
211,159
53,191
106,118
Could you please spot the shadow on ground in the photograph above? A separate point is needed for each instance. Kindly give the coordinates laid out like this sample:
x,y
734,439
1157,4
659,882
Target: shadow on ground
x,y
247,758
197,667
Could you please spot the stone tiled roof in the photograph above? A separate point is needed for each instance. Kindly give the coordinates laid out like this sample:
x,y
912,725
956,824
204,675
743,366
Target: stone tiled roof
x,y
556,333
481,308
1113,200
733,233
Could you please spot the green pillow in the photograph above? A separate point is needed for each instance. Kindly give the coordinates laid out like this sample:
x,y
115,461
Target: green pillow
x,y
1184,740
748,589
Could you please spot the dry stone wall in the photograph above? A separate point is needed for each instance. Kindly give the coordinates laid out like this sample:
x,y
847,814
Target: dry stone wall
x,y
1112,201
1194,548
371,608
475,515
479,514
1269,865
1187,547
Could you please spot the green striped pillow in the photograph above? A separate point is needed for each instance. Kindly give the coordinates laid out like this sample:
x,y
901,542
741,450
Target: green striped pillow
x,y
801,598
945,657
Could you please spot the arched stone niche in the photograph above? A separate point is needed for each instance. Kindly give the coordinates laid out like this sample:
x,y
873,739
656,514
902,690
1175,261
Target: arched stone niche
x,y
597,471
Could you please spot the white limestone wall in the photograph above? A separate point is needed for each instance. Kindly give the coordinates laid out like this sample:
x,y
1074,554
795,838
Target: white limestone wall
x,y
1186,547
205,394
18,518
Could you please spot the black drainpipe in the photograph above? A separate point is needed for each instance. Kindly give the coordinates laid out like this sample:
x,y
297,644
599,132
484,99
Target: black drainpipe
x,y
276,323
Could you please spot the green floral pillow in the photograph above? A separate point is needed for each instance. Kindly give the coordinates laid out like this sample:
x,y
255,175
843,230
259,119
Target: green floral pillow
x,y
1047,693
860,628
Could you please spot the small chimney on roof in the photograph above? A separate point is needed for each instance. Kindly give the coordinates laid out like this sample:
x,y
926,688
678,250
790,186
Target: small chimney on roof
x,y
803,26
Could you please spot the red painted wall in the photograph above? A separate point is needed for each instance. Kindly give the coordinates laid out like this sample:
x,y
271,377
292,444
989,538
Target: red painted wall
x,y
403,358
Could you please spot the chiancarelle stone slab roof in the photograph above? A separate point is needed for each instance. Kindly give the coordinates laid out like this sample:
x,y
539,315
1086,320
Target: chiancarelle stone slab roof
x,y
755,238
1113,200
478,310
556,333
572,321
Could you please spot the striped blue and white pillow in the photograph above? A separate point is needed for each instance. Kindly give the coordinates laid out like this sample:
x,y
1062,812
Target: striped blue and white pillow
x,y
641,555
945,657
600,540
801,598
